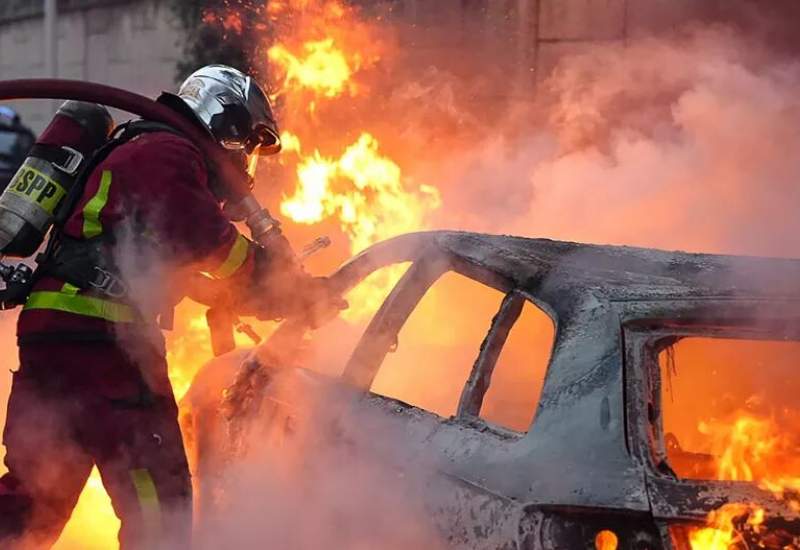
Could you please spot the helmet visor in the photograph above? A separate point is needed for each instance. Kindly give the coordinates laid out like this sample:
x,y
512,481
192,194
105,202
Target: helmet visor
x,y
261,142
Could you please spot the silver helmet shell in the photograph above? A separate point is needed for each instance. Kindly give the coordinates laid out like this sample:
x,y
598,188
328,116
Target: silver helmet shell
x,y
234,109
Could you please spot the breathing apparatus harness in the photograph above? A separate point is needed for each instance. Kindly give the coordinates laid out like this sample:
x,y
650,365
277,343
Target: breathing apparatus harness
x,y
84,263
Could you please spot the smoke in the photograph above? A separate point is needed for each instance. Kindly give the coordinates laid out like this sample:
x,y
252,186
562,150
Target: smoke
x,y
688,141
320,469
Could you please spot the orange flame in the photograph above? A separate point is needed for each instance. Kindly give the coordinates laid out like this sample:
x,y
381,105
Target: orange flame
x,y
365,191
752,449
323,68
721,533
362,189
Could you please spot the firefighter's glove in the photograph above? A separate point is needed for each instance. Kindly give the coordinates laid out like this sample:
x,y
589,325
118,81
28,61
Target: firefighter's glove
x,y
295,296
284,290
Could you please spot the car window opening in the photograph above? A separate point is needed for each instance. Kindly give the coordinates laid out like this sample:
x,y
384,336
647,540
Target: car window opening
x,y
518,376
437,347
438,344
729,411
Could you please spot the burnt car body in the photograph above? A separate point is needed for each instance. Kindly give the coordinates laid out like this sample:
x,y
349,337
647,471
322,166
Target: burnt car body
x,y
594,457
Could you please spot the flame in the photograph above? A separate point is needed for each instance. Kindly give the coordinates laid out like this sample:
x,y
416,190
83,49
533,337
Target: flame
x,y
750,448
366,193
93,516
321,67
363,189
321,52
721,533
359,187
323,61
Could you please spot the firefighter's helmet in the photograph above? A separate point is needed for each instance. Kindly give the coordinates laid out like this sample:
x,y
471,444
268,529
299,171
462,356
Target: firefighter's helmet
x,y
233,108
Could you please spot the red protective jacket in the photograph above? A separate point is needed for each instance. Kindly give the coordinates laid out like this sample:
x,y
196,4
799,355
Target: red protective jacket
x,y
152,194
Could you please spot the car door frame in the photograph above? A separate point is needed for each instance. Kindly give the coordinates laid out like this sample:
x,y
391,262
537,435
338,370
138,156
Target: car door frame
x,y
381,333
647,327
457,438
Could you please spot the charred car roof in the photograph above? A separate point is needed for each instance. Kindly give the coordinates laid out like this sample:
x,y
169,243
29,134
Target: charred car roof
x,y
614,272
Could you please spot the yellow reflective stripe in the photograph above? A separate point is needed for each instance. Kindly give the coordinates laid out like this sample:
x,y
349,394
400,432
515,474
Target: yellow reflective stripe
x,y
81,305
148,502
235,259
91,212
69,289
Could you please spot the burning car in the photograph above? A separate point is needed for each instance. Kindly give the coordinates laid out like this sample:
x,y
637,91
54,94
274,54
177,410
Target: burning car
x,y
663,414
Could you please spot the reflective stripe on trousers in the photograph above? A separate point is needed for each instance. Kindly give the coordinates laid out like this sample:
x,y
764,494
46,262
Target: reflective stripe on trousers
x,y
148,503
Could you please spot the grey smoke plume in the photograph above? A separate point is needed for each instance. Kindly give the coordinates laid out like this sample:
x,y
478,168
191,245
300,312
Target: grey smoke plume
x,y
687,141
329,474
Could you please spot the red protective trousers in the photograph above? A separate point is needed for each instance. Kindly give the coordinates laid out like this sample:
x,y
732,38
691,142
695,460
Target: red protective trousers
x,y
74,405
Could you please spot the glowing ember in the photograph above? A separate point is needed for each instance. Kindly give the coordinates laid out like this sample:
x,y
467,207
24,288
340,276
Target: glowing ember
x,y
231,20
606,540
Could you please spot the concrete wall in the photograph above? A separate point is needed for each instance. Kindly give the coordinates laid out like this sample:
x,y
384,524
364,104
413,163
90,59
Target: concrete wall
x,y
134,45
526,38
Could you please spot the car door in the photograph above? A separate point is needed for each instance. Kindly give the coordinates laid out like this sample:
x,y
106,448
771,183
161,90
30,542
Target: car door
x,y
428,360
695,369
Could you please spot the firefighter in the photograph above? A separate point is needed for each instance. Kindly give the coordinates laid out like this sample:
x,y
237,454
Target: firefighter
x,y
92,386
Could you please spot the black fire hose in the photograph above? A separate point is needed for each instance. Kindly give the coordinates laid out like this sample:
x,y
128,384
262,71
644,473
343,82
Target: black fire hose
x,y
232,176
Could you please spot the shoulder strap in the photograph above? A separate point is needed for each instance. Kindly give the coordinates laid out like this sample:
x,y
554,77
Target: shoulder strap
x,y
84,263
121,135
133,128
